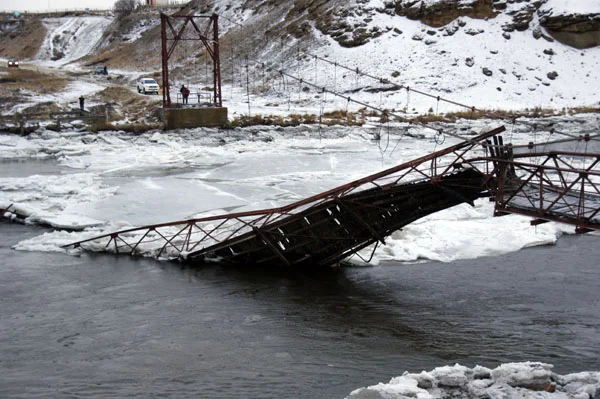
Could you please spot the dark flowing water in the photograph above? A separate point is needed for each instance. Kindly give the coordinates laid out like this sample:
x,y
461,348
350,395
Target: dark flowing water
x,y
99,326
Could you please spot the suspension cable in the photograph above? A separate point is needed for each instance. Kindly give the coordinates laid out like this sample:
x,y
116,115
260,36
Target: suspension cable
x,y
362,73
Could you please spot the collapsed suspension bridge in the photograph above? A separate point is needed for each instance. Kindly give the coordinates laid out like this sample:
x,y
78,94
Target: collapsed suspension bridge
x,y
322,230
545,183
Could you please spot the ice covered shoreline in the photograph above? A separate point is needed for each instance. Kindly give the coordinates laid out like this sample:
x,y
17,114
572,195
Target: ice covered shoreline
x,y
510,380
114,180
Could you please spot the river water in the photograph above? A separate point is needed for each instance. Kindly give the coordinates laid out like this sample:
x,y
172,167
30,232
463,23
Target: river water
x,y
101,326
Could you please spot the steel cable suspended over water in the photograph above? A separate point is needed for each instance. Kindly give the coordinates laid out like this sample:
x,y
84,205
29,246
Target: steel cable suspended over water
x,y
378,79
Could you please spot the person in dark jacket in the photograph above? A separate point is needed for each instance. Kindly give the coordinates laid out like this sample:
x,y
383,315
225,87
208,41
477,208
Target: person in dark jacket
x,y
185,92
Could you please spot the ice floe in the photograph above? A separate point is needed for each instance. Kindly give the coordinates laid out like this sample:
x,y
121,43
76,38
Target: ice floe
x,y
510,380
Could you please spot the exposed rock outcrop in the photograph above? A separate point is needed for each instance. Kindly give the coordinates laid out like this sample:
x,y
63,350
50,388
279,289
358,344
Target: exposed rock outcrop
x,y
521,18
441,13
348,26
576,30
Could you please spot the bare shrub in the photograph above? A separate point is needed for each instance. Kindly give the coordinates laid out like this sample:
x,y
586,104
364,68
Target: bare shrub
x,y
123,8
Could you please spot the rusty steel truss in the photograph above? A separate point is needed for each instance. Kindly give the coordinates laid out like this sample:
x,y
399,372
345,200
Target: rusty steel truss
x,y
323,229
326,228
561,186
173,30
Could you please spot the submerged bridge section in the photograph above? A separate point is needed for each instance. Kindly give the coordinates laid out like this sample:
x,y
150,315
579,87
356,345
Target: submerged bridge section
x,y
326,228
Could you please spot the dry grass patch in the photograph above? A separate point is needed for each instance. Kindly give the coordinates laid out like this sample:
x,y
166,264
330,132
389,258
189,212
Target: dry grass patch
x,y
429,118
583,110
536,112
270,120
45,109
117,94
12,79
25,41
143,55
344,118
131,105
328,119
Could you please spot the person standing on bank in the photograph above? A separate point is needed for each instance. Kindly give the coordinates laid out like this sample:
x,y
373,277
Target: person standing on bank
x,y
185,92
81,100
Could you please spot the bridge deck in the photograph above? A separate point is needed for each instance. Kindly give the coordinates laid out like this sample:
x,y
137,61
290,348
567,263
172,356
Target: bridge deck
x,y
329,232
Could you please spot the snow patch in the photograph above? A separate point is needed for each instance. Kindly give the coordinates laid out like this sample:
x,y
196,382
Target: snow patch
x,y
570,7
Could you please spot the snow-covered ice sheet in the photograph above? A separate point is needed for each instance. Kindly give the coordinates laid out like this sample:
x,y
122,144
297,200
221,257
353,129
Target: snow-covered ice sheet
x,y
45,199
465,232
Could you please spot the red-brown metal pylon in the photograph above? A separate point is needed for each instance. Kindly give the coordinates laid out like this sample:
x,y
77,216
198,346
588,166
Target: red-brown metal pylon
x,y
172,34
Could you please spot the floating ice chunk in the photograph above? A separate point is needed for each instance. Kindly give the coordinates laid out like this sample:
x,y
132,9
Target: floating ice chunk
x,y
31,215
53,200
452,376
526,380
65,221
531,375
465,232
402,387
53,241
584,385
155,138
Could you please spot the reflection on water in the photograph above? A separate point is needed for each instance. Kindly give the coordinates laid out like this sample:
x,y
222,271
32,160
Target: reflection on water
x,y
100,325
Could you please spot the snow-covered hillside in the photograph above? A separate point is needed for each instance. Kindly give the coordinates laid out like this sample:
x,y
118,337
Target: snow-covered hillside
x,y
70,38
484,62
486,54
570,7
482,53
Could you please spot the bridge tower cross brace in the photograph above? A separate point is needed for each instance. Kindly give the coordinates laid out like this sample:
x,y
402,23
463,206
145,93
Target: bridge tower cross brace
x,y
172,34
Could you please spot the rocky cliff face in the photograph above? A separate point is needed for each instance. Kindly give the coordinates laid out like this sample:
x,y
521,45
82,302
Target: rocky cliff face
x,y
576,29
441,13
349,24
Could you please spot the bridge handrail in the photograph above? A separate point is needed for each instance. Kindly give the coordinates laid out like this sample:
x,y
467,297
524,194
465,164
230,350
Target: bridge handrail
x,y
543,166
529,147
563,187
198,95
